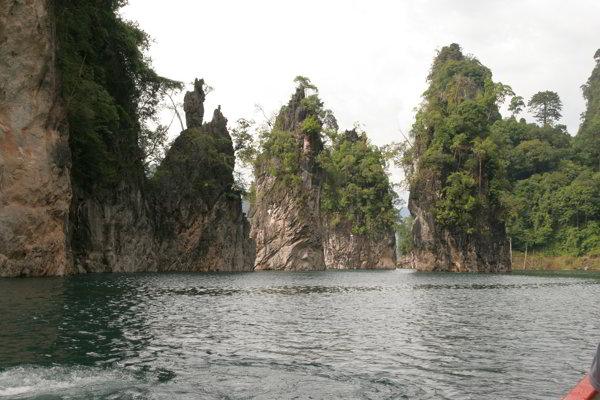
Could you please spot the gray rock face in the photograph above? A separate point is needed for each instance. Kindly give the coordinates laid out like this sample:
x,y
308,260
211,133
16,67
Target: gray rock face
x,y
202,226
192,221
439,249
343,250
287,233
290,231
35,191
113,233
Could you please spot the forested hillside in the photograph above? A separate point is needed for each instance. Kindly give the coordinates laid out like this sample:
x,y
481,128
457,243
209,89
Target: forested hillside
x,y
555,179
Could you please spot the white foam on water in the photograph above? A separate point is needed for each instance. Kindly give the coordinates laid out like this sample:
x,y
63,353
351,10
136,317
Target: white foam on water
x,y
31,381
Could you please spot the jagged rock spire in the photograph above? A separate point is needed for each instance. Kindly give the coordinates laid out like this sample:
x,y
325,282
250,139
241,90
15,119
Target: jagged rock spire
x,y
193,105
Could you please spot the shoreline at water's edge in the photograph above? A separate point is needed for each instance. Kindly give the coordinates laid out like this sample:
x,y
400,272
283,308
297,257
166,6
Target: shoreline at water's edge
x,y
555,263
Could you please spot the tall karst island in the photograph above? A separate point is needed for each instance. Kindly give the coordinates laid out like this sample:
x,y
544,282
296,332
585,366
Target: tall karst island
x,y
322,197
456,180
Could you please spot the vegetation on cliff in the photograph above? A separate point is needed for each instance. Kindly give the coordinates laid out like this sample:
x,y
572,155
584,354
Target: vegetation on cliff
x,y
295,139
459,168
355,187
109,89
537,179
357,190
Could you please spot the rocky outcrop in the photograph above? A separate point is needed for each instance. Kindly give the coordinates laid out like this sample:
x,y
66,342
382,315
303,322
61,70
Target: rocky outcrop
x,y
201,226
439,249
113,232
454,179
51,225
344,250
285,218
193,105
35,191
287,232
292,232
188,219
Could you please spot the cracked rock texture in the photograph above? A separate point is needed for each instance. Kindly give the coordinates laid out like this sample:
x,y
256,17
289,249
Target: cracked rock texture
x,y
291,233
202,226
343,250
35,191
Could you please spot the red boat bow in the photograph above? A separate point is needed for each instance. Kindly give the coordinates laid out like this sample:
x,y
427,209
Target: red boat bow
x,y
583,391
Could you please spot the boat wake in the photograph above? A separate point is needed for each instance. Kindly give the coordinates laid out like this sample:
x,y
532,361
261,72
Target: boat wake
x,y
77,382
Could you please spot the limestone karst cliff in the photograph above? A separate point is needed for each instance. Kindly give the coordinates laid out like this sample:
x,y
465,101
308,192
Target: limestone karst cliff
x,y
345,250
75,196
187,218
201,224
455,182
285,218
35,189
294,227
357,206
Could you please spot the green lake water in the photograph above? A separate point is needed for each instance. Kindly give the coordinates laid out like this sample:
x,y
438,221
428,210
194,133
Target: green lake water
x,y
316,335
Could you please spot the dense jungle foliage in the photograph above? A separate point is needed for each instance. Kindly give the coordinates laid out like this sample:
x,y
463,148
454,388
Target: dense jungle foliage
x,y
357,189
109,89
555,199
542,182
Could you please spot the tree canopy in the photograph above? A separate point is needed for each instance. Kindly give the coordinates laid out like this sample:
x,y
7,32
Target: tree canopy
x,y
545,107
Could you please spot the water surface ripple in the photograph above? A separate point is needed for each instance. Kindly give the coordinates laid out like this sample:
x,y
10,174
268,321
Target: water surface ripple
x,y
319,335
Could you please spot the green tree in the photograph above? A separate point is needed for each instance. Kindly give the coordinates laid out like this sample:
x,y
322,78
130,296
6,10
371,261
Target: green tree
x,y
244,143
545,107
404,239
517,104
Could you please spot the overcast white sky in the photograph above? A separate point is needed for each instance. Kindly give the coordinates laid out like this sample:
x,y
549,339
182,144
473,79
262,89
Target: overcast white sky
x,y
368,58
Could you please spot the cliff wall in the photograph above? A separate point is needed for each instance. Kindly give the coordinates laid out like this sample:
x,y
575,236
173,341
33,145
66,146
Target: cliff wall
x,y
35,189
437,248
344,250
456,175
65,209
286,221
292,230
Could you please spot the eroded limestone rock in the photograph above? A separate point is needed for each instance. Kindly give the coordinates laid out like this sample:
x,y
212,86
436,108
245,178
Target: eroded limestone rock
x,y
201,224
344,250
193,105
285,220
439,249
35,192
